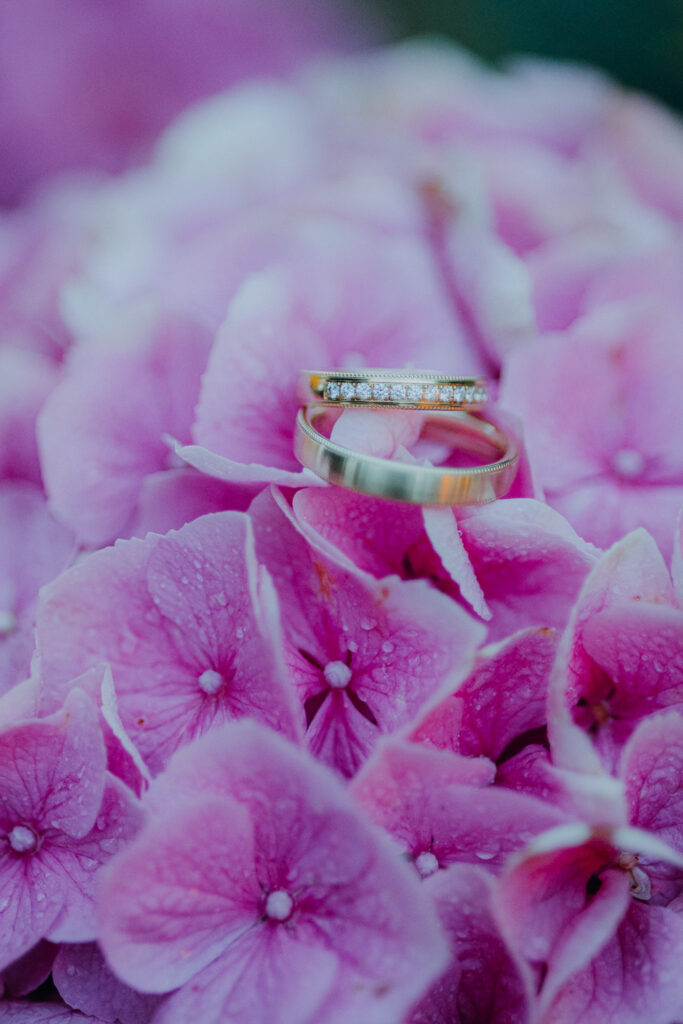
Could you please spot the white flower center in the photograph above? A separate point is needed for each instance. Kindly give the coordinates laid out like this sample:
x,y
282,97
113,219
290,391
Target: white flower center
x,y
426,863
628,463
23,839
8,621
210,681
337,674
279,905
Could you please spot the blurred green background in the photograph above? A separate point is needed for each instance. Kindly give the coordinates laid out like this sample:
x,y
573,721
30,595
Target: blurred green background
x,y
640,42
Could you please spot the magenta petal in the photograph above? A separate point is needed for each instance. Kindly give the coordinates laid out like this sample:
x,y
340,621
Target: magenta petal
x,y
258,981
442,808
73,865
84,981
354,296
102,430
484,981
631,577
284,828
652,771
384,646
636,977
560,902
501,700
199,906
53,769
28,972
187,626
43,1013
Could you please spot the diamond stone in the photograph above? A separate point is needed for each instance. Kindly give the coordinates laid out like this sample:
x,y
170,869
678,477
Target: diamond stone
x,y
380,391
459,393
431,393
398,392
480,395
469,394
414,392
332,390
363,391
446,393
348,391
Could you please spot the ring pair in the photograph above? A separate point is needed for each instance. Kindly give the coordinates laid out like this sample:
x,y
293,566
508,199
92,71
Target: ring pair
x,y
451,404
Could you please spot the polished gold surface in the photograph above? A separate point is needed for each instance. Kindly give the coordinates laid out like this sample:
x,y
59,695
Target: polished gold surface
x,y
413,482
403,389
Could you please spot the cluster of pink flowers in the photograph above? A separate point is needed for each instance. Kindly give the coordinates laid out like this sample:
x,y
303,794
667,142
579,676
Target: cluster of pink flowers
x,y
272,752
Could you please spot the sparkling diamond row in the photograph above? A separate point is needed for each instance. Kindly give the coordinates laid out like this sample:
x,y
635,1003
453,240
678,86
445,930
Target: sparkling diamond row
x,y
387,391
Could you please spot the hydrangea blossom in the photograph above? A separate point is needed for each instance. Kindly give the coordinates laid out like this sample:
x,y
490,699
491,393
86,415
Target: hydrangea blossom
x,y
62,817
307,914
273,750
183,621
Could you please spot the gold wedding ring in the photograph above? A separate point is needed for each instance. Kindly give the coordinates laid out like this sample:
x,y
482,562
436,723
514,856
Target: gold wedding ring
x,y
402,389
414,482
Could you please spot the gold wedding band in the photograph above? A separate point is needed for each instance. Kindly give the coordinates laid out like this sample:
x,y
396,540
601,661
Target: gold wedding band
x,y
403,389
413,482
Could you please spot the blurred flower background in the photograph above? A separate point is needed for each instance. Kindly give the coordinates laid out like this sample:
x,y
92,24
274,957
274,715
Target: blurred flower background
x,y
273,752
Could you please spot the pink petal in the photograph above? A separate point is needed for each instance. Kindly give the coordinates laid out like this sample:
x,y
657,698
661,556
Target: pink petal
x,y
395,643
102,431
163,612
438,803
635,977
53,770
484,980
360,299
84,981
308,840
550,911
28,972
194,906
501,700
528,561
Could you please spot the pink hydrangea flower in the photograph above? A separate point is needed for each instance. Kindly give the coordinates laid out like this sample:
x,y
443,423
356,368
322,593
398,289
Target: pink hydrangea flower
x,y
365,655
621,658
578,908
307,914
604,442
183,620
61,817
444,809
